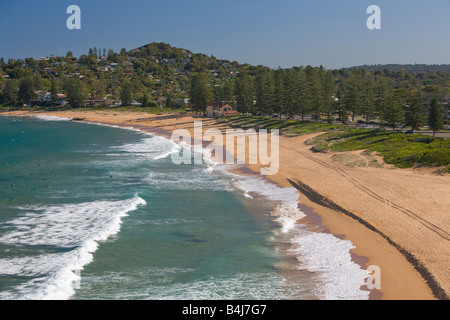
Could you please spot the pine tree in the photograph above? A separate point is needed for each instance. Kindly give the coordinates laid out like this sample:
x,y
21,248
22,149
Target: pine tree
x,y
342,112
393,113
367,96
415,117
329,90
227,92
200,92
76,92
145,102
301,94
126,93
278,91
264,91
315,91
26,90
245,93
291,92
435,120
9,95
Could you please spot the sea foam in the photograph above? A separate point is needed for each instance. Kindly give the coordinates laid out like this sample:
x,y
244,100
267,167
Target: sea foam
x,y
338,277
73,230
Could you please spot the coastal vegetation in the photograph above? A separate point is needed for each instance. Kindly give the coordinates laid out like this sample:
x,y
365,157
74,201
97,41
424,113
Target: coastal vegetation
x,y
159,75
403,151
160,78
397,148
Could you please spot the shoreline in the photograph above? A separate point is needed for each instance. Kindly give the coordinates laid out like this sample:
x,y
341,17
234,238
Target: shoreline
x,y
373,247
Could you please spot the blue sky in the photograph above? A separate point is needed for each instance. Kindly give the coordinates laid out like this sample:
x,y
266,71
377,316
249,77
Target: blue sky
x,y
281,33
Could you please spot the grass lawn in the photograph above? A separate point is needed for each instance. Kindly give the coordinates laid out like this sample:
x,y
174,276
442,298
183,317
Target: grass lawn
x,y
397,148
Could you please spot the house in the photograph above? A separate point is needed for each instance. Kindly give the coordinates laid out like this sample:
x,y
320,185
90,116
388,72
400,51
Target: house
x,y
219,109
43,97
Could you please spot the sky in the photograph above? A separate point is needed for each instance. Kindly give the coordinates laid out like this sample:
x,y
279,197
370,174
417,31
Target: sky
x,y
282,33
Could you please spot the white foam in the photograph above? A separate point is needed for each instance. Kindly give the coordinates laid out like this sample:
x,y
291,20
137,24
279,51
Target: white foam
x,y
328,256
193,179
153,147
162,284
287,212
75,229
51,118
241,286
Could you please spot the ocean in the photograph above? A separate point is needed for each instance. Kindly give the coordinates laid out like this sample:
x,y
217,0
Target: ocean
x,y
92,211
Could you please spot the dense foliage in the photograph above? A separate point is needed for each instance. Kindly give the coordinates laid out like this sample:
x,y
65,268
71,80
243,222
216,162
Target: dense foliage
x,y
160,75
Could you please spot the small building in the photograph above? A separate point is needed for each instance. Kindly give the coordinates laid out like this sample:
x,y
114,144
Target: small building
x,y
219,109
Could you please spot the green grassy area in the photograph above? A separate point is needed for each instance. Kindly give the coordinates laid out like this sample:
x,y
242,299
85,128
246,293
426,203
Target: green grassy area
x,y
286,127
397,148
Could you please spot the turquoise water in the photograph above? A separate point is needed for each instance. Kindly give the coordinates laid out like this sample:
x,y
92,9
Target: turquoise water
x,y
98,212
162,231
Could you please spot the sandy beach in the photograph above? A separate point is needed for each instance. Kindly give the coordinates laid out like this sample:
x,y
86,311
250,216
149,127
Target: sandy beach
x,y
398,219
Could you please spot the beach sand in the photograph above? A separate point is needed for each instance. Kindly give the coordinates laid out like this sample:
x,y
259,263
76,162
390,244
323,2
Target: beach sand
x,y
398,219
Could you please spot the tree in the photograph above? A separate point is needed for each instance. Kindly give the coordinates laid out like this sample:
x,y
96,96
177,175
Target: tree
x,y
329,90
264,91
38,81
10,92
76,92
342,112
54,89
315,91
301,94
200,92
126,94
383,87
245,93
367,96
278,91
415,116
227,92
435,120
169,101
393,110
26,92
145,102
111,53
290,91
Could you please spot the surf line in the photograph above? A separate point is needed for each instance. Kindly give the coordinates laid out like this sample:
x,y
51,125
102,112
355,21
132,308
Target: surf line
x,y
235,139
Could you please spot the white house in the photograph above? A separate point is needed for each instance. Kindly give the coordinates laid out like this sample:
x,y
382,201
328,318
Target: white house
x,y
219,109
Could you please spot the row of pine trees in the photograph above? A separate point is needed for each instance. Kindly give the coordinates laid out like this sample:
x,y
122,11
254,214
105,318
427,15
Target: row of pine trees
x,y
322,94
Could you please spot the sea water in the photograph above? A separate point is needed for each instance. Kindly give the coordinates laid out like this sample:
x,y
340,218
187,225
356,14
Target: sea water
x,y
98,212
